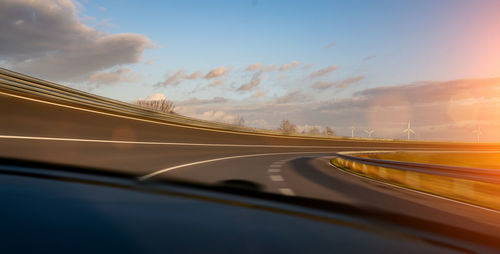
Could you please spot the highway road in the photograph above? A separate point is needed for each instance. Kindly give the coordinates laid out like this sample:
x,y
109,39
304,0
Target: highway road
x,y
41,130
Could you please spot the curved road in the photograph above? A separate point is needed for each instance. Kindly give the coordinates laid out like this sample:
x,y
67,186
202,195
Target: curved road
x,y
37,129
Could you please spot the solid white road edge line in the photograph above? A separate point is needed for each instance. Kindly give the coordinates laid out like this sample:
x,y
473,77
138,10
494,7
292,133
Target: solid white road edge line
x,y
145,177
194,144
165,143
417,191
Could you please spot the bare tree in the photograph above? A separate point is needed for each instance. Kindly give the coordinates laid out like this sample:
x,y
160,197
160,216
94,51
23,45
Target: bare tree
x,y
163,105
329,131
314,131
240,121
287,127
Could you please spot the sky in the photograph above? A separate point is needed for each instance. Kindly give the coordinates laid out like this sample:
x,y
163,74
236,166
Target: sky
x,y
368,64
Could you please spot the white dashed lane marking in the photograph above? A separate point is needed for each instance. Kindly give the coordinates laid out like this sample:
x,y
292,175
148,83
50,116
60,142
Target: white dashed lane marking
x,y
276,178
287,191
274,171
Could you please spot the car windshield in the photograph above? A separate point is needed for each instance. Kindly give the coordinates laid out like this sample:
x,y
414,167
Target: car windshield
x,y
387,105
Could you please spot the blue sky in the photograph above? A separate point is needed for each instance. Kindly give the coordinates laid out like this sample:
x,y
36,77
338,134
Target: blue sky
x,y
134,49
411,40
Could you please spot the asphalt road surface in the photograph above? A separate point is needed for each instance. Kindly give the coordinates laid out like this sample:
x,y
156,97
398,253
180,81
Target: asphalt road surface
x,y
76,135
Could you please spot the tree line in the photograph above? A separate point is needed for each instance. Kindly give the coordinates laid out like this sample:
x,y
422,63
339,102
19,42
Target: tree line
x,y
286,127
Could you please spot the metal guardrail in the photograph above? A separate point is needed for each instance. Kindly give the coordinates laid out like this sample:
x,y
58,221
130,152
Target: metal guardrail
x,y
21,83
475,174
471,185
24,84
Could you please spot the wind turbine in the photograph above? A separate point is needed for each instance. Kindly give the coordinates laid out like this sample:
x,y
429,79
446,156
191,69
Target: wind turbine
x,y
369,132
409,130
478,132
352,131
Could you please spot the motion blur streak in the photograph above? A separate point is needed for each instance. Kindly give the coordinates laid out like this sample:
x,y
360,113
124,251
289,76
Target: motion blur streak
x,y
34,127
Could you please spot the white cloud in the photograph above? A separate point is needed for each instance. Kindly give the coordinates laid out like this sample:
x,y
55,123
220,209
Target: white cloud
x,y
122,75
269,68
282,77
349,81
216,83
258,94
176,78
307,66
47,39
218,116
322,85
173,79
194,75
196,101
156,97
292,65
254,67
218,72
261,68
253,83
323,72
291,97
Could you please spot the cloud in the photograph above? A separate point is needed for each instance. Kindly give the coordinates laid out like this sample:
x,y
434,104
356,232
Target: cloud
x,y
438,91
196,101
269,68
194,75
47,39
254,82
294,96
437,109
218,116
258,94
218,72
369,57
282,77
173,79
292,65
216,83
331,45
322,85
200,112
307,66
349,81
122,75
261,68
177,77
323,72
156,97
254,67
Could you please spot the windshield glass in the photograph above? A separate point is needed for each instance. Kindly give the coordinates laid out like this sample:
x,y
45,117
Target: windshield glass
x,y
386,105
